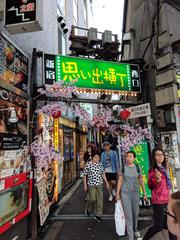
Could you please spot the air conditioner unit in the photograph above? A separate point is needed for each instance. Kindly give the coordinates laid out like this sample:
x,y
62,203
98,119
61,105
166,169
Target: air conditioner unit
x,y
160,118
92,35
163,39
165,77
167,95
107,37
170,116
164,61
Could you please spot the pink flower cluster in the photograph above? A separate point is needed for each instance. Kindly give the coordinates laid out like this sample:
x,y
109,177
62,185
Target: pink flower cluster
x,y
101,120
133,136
43,154
80,112
50,109
59,89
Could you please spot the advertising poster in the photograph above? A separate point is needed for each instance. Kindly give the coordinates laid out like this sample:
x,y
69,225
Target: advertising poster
x,y
45,127
13,201
68,145
142,159
13,65
60,165
43,200
14,162
13,114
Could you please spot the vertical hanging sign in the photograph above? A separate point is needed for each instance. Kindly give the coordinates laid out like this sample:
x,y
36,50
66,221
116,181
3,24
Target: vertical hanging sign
x,y
55,162
142,159
56,134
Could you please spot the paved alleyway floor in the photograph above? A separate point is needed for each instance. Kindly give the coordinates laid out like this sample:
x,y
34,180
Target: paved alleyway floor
x,y
72,224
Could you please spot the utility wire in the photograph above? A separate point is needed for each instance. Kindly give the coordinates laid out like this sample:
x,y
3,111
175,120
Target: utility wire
x,y
153,32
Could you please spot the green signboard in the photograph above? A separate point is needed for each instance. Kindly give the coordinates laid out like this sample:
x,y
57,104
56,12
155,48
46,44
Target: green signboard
x,y
92,73
142,159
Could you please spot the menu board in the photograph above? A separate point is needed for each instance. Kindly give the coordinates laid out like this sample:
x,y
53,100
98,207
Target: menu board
x,y
14,162
43,200
13,65
14,152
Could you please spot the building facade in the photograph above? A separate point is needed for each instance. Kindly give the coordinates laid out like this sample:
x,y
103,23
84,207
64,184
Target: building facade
x,y
58,16
151,36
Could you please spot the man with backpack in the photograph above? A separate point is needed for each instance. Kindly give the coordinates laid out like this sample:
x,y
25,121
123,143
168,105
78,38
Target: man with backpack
x,y
130,178
110,162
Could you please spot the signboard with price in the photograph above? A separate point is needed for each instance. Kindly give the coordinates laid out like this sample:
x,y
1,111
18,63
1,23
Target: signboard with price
x,y
92,74
23,16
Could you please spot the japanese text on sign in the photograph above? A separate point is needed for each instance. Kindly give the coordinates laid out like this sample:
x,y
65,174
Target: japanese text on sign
x,y
91,73
140,111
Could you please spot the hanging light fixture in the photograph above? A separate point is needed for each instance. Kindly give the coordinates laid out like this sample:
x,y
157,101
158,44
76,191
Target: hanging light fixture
x,y
65,30
59,19
13,116
63,25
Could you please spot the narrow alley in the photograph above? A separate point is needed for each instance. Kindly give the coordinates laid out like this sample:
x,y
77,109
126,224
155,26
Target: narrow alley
x,y
74,225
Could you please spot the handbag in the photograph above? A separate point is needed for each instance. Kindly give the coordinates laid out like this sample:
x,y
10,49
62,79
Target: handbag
x,y
119,219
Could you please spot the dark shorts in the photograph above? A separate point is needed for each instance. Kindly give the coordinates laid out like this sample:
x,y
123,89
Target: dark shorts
x,y
111,176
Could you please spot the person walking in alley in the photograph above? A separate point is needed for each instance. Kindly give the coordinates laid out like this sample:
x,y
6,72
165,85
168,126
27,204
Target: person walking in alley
x,y
110,162
130,178
160,185
173,214
93,184
89,153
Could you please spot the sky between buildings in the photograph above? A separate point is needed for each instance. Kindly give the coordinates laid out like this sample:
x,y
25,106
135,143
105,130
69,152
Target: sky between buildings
x,y
108,15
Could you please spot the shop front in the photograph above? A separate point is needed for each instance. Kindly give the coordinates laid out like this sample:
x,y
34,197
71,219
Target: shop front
x,y
67,145
15,164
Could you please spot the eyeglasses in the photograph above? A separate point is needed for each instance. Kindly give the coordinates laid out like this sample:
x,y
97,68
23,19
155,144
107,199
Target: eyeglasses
x,y
169,214
159,154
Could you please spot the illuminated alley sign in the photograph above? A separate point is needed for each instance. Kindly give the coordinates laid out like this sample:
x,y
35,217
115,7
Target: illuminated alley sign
x,y
92,74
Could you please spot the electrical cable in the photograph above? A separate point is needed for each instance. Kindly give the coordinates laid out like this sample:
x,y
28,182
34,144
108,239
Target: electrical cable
x,y
153,32
151,38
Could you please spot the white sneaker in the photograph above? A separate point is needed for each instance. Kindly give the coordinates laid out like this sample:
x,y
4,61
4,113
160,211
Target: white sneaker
x,y
137,234
110,198
139,238
113,192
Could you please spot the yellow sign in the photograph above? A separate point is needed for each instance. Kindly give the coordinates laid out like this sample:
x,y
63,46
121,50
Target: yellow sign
x,y
56,134
55,163
67,122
